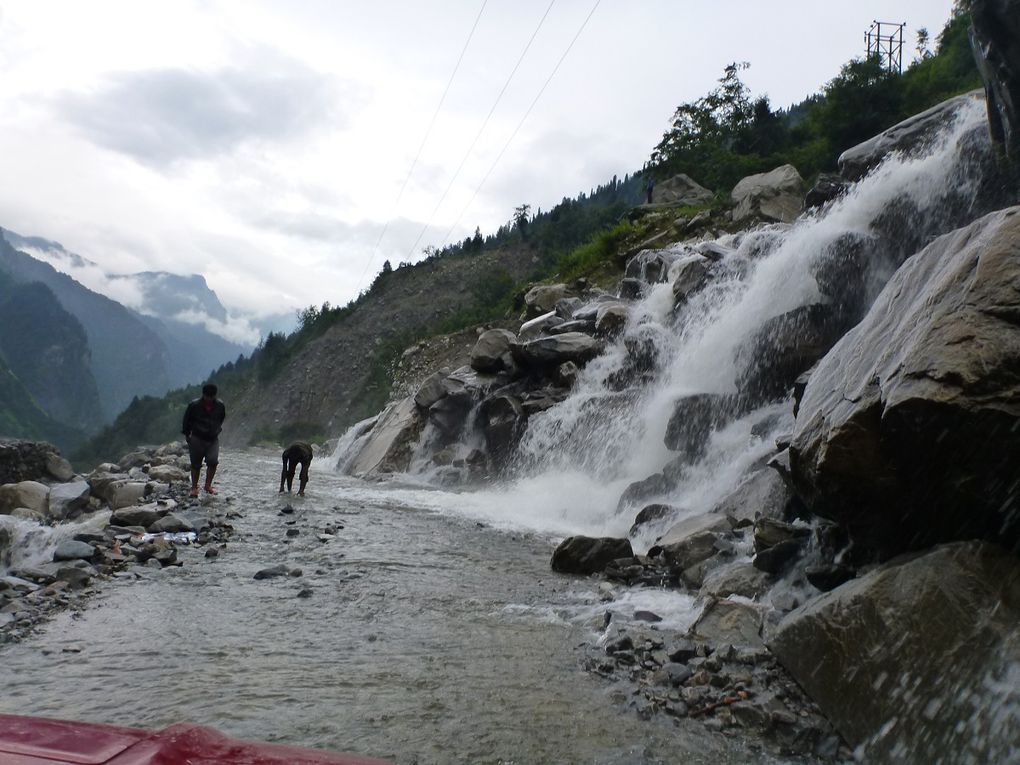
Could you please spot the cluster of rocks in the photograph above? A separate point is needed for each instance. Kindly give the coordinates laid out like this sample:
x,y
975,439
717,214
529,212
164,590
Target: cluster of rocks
x,y
150,516
892,502
726,686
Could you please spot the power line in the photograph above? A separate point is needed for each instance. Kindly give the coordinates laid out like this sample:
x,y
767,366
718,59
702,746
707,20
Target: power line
x,y
519,124
478,135
417,156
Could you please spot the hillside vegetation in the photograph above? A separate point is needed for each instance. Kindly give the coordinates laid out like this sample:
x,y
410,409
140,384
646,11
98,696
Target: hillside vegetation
x,y
336,368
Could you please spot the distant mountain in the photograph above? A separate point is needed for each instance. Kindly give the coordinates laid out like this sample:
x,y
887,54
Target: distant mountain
x,y
178,319
48,350
128,357
21,416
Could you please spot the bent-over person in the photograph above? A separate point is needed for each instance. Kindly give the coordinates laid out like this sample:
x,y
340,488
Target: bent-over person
x,y
298,453
203,421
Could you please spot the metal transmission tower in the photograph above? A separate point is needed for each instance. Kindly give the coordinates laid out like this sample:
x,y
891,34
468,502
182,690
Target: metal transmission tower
x,y
885,41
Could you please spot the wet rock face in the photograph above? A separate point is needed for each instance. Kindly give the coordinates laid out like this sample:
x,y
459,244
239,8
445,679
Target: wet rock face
x,y
785,347
995,37
555,350
694,418
588,555
944,622
907,432
910,137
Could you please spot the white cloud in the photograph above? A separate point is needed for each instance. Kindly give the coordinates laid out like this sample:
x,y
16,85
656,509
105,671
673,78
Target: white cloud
x,y
263,145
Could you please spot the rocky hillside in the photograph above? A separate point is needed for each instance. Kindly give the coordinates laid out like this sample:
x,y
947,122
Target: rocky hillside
x,y
344,374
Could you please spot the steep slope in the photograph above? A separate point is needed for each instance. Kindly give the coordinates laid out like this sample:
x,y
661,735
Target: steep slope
x,y
128,358
21,417
47,349
335,379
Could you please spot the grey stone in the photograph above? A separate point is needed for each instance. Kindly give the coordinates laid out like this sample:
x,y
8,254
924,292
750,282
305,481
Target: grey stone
x,y
71,549
492,350
170,523
776,195
761,494
897,658
387,447
272,572
690,275
611,319
553,351
907,429
543,298
729,621
67,499
588,555
167,474
908,137
28,494
135,515
739,578
58,468
539,326
681,190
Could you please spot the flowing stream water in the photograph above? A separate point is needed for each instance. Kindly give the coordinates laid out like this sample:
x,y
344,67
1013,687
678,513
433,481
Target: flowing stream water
x,y
429,637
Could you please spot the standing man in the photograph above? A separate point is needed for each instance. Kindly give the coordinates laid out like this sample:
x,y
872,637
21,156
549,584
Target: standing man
x,y
203,421
297,453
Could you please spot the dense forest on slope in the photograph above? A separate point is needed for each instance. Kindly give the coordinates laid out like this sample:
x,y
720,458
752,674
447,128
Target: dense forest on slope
x,y
717,139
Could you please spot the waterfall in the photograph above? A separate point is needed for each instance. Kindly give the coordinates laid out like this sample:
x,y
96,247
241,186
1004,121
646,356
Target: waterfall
x,y
576,458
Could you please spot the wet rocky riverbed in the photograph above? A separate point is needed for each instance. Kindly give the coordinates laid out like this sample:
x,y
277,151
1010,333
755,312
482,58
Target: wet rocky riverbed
x,y
399,632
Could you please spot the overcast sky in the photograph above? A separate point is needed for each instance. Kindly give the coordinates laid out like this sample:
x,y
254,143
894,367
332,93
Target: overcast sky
x,y
265,144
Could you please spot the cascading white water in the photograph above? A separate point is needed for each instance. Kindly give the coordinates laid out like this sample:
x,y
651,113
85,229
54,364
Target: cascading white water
x,y
28,543
580,454
576,459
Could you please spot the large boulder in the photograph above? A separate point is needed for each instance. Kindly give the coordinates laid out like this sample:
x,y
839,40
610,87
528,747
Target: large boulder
x,y
67,499
555,350
783,348
681,190
543,298
136,515
694,419
762,494
492,351
995,37
30,494
589,555
388,446
909,137
907,432
539,326
503,422
650,266
123,493
776,195
167,474
690,275
431,390
919,656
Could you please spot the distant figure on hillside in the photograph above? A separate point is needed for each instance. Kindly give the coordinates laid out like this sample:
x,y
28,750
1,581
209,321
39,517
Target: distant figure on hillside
x,y
297,453
203,421
649,188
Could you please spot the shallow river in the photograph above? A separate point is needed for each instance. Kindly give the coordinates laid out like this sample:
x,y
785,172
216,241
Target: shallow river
x,y
428,638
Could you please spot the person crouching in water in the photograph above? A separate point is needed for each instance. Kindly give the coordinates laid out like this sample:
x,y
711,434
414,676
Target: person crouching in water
x,y
203,421
297,452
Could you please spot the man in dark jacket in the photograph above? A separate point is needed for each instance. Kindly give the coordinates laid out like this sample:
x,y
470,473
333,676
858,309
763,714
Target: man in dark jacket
x,y
297,453
203,421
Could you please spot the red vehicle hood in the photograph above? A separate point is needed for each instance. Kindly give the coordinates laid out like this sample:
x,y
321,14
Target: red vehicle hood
x,y
41,741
